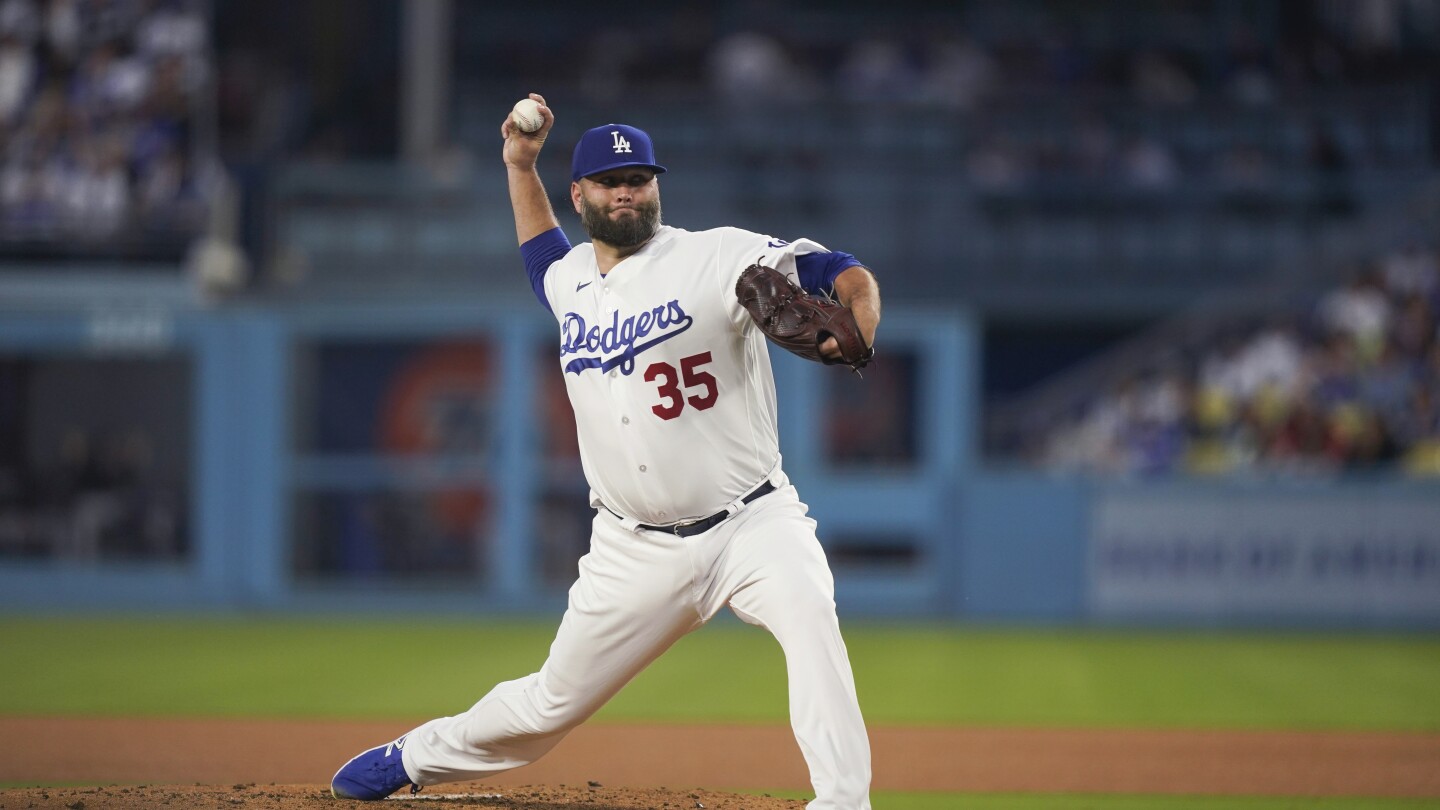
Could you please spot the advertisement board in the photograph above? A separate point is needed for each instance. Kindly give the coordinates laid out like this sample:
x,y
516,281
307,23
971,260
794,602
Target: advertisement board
x,y
1355,553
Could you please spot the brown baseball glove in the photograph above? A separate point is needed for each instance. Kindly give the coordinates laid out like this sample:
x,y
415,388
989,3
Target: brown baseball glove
x,y
798,321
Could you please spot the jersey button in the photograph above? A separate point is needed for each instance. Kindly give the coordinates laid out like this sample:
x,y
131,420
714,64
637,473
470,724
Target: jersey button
x,y
662,514
624,420
642,468
613,373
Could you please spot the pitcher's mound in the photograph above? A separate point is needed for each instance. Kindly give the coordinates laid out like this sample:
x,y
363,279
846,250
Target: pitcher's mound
x,y
311,797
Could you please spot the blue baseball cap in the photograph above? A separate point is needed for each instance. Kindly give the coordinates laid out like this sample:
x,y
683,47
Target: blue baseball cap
x,y
612,146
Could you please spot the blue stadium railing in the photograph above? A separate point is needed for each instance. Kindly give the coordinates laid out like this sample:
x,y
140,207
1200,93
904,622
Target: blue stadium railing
x,y
938,534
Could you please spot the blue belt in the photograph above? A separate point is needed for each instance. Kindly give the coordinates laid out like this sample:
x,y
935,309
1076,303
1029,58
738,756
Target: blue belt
x,y
693,527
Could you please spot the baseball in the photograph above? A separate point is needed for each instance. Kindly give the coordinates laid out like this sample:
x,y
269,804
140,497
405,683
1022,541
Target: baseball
x,y
526,115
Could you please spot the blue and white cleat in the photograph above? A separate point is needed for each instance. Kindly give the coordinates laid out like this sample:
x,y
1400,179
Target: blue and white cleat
x,y
373,775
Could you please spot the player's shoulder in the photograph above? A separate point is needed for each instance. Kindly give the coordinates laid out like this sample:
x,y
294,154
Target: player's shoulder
x,y
732,233
669,234
724,240
746,241
581,252
580,256
669,241
723,233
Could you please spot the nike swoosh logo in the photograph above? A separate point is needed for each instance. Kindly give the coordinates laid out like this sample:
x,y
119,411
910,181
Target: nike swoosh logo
x,y
579,287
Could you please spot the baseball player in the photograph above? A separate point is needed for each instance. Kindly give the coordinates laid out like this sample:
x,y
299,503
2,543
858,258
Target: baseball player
x,y
674,404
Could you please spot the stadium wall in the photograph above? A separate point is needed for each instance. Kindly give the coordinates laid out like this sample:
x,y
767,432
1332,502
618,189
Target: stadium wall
x,y
928,531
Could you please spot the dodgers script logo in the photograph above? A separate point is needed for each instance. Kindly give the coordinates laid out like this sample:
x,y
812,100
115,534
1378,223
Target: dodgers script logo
x,y
617,343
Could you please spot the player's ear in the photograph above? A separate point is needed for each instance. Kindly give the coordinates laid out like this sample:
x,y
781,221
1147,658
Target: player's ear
x,y
575,195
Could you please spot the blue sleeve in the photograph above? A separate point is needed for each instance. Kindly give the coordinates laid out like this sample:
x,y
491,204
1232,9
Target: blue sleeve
x,y
818,270
541,252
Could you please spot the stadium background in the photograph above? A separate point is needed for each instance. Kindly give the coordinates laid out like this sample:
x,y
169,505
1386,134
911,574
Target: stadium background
x,y
1160,347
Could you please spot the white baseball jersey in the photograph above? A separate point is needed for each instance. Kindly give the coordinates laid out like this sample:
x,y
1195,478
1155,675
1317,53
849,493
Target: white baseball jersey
x,y
668,376
675,406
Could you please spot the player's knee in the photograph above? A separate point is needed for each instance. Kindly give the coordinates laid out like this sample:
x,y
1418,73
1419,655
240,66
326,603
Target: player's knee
x,y
805,608
553,713
544,708
560,718
818,606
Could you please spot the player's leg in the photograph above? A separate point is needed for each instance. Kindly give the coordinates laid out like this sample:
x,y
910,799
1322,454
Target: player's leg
x,y
774,574
631,601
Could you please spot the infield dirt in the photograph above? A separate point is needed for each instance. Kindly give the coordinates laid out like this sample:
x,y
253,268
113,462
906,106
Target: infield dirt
x,y
230,763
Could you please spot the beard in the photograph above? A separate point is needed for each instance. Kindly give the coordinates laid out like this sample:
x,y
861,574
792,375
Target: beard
x,y
625,232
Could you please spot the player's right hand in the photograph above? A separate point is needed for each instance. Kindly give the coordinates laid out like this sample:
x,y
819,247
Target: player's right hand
x,y
522,148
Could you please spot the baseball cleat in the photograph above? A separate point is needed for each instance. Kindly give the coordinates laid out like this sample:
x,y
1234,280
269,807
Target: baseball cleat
x,y
373,775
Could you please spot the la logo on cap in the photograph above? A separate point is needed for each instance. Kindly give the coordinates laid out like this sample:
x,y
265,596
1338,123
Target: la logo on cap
x,y
612,146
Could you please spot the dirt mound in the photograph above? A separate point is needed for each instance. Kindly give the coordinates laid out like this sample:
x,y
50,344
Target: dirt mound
x,y
313,797
631,760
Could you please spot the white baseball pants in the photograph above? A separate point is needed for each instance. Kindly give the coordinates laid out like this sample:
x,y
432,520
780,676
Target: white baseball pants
x,y
638,593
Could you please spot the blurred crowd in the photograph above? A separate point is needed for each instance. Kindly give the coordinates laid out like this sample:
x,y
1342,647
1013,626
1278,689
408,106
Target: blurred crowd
x,y
1055,97
110,109
1136,89
1157,55
102,137
1231,110
1350,384
1141,96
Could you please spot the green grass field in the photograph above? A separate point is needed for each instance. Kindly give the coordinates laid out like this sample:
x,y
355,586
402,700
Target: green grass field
x,y
907,675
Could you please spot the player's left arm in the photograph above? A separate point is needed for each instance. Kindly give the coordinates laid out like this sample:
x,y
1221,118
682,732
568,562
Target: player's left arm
x,y
857,289
832,274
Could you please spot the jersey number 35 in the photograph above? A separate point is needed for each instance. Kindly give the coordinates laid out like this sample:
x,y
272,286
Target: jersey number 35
x,y
672,398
